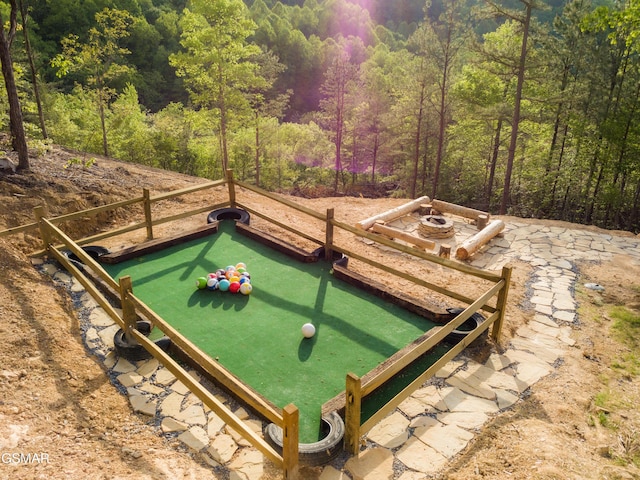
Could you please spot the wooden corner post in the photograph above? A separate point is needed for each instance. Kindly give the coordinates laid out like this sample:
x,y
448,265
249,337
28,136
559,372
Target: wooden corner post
x,y
232,188
352,414
40,213
290,439
128,309
146,200
501,303
328,244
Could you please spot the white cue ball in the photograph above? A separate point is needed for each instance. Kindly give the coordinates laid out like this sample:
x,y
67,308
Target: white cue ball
x,y
308,330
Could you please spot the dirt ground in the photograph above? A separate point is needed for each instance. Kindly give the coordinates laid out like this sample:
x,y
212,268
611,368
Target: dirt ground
x,y
57,402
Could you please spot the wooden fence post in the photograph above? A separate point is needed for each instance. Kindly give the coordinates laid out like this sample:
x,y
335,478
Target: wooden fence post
x,y
40,213
146,200
501,303
482,221
290,439
328,244
352,414
232,188
128,309
445,251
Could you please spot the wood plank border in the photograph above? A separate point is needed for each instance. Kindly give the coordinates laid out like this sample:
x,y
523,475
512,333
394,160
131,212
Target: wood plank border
x,y
156,245
422,308
275,243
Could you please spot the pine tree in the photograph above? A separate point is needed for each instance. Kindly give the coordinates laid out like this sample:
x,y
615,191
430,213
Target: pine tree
x,y
216,60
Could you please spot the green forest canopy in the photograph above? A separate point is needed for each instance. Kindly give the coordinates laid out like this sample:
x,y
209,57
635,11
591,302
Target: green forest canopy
x,y
523,106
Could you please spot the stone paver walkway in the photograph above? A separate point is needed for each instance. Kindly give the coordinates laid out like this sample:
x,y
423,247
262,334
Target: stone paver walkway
x,y
432,425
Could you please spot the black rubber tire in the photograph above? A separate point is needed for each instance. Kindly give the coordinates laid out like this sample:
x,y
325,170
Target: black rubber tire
x,y
467,327
342,261
94,251
137,352
338,257
317,453
237,214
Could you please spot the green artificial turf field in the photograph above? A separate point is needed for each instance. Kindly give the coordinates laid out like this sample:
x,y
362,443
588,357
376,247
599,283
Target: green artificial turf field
x,y
258,337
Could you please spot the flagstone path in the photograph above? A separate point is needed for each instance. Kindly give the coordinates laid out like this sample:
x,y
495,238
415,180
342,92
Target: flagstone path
x,y
432,425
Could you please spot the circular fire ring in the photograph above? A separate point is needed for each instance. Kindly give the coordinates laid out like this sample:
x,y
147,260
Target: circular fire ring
x,y
436,226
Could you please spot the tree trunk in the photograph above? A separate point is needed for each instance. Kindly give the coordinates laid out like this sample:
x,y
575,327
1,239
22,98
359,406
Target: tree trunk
x,y
34,73
494,162
425,161
19,140
618,214
612,103
338,148
621,167
374,160
257,157
416,154
596,190
442,114
556,178
354,167
516,113
223,141
549,207
635,210
105,145
223,121
339,125
625,137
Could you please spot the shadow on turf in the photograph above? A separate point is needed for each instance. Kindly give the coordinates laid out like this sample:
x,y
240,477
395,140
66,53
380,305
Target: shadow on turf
x,y
306,347
216,299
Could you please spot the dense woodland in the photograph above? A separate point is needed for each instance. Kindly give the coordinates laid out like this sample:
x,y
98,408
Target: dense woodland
x,y
526,107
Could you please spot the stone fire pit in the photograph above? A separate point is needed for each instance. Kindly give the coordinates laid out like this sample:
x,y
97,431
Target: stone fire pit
x,y
436,226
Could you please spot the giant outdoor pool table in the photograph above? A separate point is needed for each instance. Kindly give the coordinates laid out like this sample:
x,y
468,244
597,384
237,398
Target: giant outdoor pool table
x,y
258,337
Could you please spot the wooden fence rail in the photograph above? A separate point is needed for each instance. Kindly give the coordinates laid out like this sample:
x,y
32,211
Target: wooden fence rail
x,y
146,201
356,390
287,419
